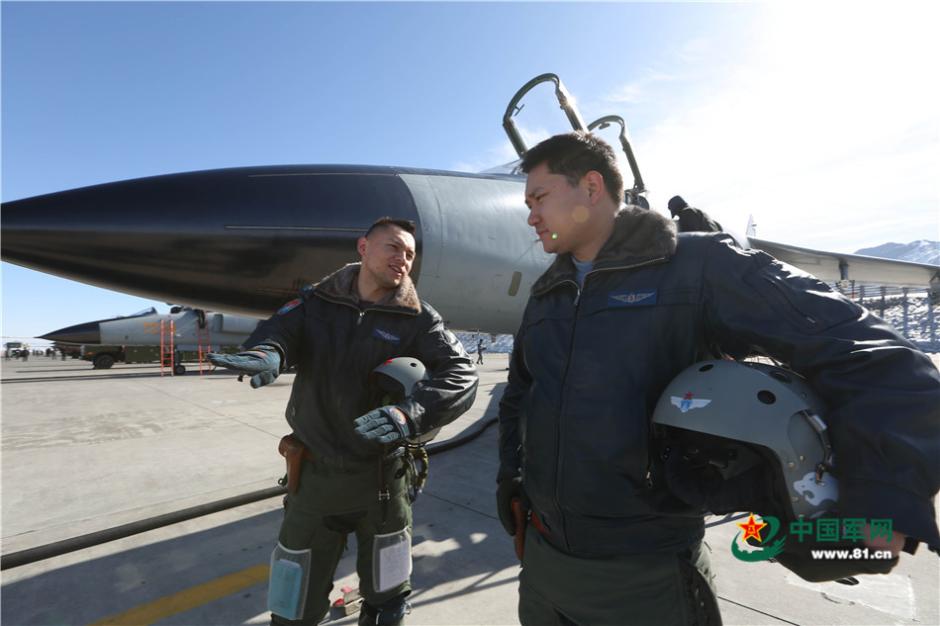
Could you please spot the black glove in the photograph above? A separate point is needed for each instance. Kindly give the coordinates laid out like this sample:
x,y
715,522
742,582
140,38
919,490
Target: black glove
x,y
262,363
700,484
506,491
386,424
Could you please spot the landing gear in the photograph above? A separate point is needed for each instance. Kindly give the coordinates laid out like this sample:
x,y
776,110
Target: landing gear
x,y
103,362
179,369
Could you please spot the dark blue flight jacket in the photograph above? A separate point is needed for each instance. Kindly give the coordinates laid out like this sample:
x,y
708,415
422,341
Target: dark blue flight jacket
x,y
589,364
335,340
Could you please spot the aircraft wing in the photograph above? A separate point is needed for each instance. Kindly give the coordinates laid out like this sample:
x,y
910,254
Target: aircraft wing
x,y
836,266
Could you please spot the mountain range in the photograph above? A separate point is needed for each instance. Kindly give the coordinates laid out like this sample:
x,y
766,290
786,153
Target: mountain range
x,y
920,251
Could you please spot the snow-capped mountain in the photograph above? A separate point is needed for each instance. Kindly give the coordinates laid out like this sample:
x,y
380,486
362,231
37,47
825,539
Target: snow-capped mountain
x,y
921,251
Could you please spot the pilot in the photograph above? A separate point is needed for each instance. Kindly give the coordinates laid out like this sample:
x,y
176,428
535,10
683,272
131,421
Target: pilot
x,y
353,480
689,219
626,305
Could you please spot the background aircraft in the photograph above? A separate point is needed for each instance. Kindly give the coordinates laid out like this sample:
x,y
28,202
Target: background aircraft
x,y
193,330
245,240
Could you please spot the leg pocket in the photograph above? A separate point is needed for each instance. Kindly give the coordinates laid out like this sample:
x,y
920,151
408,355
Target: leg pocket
x,y
394,517
303,529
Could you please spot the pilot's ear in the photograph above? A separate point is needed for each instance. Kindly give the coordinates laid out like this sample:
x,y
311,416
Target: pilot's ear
x,y
361,246
594,182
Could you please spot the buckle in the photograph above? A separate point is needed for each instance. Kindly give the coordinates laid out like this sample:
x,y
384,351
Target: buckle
x,y
384,495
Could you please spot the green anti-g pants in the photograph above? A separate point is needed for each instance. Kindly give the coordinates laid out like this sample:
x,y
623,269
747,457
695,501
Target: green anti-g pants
x,y
327,507
558,589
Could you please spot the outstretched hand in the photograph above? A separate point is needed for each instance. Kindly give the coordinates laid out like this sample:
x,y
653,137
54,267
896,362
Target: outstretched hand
x,y
262,363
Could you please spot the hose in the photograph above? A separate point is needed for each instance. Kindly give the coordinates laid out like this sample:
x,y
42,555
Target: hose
x,y
58,548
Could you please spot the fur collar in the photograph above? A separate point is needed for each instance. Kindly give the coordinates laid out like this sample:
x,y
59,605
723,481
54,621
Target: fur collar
x,y
342,284
639,235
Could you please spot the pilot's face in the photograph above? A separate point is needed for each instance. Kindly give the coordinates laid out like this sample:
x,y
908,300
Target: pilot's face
x,y
558,211
388,254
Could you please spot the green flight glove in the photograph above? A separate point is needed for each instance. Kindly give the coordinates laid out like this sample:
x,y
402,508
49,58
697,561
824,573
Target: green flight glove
x,y
262,363
386,424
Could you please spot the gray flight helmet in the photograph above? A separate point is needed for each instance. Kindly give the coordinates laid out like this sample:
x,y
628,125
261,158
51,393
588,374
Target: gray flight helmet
x,y
768,409
396,378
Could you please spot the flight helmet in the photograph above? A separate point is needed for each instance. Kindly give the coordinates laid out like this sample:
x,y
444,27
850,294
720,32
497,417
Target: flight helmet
x,y
395,380
739,414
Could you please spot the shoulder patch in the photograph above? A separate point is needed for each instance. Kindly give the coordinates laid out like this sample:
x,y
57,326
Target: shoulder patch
x,y
288,306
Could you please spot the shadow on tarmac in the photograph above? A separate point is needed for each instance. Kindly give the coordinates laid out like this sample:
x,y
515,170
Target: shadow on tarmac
x,y
459,548
111,585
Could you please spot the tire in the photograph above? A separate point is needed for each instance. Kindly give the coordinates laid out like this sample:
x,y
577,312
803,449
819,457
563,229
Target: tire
x,y
103,362
179,370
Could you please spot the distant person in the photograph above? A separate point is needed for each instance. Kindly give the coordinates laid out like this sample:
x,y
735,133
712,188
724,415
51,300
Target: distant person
x,y
480,350
691,219
355,472
628,304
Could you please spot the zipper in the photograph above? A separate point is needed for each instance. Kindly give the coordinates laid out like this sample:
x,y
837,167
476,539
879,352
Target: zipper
x,y
655,261
564,380
362,312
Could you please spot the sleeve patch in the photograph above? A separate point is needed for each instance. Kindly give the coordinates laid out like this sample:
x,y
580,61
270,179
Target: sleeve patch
x,y
289,306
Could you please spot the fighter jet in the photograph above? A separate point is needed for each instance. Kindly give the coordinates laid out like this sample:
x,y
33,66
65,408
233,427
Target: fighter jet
x,y
244,240
183,329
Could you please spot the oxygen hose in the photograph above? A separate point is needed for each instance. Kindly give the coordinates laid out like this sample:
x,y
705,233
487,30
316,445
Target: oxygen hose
x,y
58,548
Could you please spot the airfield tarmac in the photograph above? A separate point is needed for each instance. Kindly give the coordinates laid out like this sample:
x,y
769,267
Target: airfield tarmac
x,y
86,450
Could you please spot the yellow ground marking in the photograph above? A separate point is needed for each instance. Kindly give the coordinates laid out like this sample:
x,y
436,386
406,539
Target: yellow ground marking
x,y
188,598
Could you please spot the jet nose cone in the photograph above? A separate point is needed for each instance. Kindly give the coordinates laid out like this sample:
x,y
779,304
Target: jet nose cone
x,y
88,333
239,239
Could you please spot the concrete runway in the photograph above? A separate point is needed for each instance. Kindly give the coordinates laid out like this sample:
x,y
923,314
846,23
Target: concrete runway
x,y
86,450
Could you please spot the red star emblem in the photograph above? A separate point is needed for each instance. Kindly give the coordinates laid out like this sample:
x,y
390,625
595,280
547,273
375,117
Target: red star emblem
x,y
688,395
751,528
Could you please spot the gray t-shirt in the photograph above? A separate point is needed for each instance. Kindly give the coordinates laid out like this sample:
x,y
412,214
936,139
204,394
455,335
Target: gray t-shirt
x,y
582,268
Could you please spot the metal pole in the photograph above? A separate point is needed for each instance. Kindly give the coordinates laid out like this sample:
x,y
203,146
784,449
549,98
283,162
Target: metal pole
x,y
904,308
882,302
861,294
930,324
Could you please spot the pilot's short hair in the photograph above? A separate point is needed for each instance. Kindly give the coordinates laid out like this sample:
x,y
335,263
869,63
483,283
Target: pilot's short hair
x,y
384,222
573,155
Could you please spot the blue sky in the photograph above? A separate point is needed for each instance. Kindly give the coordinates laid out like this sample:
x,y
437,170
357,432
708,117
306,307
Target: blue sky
x,y
821,121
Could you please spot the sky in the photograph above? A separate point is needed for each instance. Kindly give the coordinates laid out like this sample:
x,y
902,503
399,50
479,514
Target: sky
x,y
822,120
